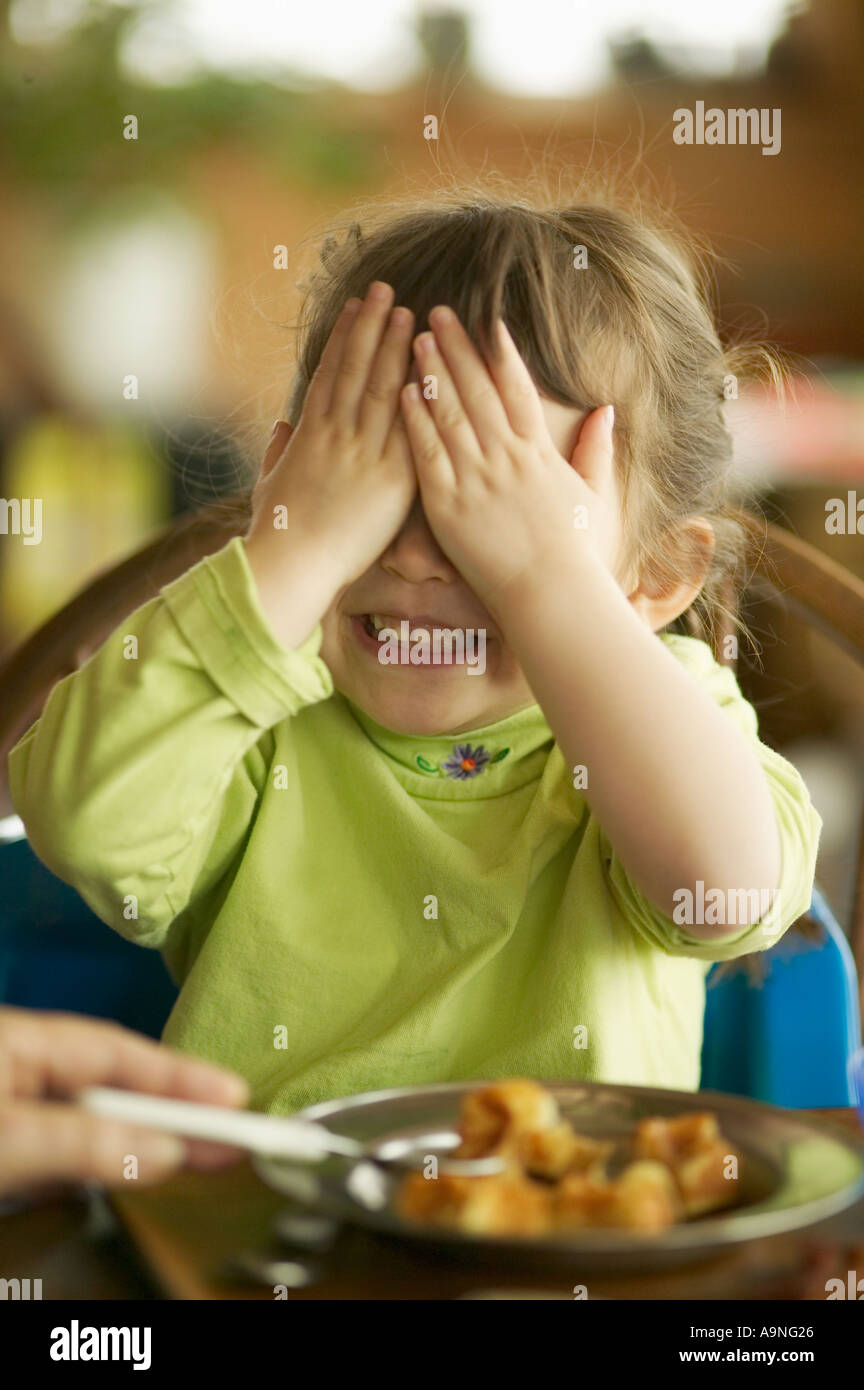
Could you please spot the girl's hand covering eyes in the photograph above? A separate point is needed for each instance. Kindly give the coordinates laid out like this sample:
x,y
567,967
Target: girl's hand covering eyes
x,y
501,500
335,496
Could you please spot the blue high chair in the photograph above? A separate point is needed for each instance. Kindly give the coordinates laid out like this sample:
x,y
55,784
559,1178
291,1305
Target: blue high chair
x,y
788,1038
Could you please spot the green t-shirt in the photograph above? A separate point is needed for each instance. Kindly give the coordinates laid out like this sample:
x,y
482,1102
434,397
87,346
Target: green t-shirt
x,y
344,912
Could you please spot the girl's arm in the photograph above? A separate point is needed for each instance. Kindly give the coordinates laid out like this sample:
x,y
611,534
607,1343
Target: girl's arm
x,y
138,782
678,789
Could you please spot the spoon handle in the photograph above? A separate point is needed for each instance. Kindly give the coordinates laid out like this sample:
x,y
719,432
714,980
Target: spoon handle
x,y
270,1135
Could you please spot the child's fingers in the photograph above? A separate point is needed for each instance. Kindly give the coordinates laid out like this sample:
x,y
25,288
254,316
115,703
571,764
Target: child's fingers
x,y
446,408
594,455
319,394
476,388
431,460
361,345
397,449
380,403
516,389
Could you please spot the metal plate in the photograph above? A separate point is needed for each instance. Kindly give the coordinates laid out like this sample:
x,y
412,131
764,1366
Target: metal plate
x,y
796,1171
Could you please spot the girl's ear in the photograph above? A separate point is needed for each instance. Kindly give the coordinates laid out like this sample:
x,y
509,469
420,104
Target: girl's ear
x,y
282,432
671,588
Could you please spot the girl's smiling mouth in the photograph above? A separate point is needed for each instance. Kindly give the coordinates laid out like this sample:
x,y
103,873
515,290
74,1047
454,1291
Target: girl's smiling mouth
x,y
419,640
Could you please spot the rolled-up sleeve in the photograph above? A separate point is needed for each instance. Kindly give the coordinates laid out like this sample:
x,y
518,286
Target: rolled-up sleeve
x,y
798,823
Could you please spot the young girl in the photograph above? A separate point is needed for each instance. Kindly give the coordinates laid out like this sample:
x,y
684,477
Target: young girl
x,y
507,422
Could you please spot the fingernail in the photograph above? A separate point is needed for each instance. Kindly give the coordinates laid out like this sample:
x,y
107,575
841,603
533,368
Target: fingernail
x,y
610,418
276,424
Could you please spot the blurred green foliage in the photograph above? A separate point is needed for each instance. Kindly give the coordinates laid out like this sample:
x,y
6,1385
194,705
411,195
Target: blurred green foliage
x,y
62,108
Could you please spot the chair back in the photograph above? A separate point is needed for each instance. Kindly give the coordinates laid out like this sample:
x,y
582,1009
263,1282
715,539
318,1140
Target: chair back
x,y
801,586
783,1025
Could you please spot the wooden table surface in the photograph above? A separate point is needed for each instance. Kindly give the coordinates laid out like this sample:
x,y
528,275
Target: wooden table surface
x,y
177,1241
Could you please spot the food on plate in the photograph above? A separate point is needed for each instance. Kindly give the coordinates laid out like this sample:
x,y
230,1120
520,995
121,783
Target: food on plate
x,y
520,1121
643,1197
495,1118
693,1148
555,1152
557,1180
478,1206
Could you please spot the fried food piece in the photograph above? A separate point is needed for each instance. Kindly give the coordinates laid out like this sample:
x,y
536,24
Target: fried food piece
x,y
550,1153
499,1205
673,1141
643,1198
646,1197
557,1180
495,1118
697,1154
520,1121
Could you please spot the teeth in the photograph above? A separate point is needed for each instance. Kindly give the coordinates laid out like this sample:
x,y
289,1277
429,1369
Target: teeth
x,y
382,620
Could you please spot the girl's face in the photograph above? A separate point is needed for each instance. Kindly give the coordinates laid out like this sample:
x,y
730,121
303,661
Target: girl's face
x,y
414,581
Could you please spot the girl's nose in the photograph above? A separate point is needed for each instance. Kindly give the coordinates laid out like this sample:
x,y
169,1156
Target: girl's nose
x,y
414,555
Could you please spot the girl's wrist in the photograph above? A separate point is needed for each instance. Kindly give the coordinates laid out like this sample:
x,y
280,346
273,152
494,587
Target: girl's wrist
x,y
554,581
294,588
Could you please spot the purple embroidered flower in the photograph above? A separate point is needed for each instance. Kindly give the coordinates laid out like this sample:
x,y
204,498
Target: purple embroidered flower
x,y
465,761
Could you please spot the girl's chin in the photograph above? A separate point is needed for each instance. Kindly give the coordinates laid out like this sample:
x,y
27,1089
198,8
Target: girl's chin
x,y
418,697
421,711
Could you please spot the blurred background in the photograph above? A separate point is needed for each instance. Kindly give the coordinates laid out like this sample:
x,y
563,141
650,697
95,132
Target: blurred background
x,y
145,319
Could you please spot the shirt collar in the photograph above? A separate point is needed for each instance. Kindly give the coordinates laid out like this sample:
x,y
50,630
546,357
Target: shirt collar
x,y
476,763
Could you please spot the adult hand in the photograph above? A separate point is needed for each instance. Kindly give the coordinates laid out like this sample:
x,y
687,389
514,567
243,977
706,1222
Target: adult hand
x,y
45,1058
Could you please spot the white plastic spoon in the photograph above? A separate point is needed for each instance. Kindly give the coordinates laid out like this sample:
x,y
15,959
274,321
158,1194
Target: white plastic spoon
x,y
274,1136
